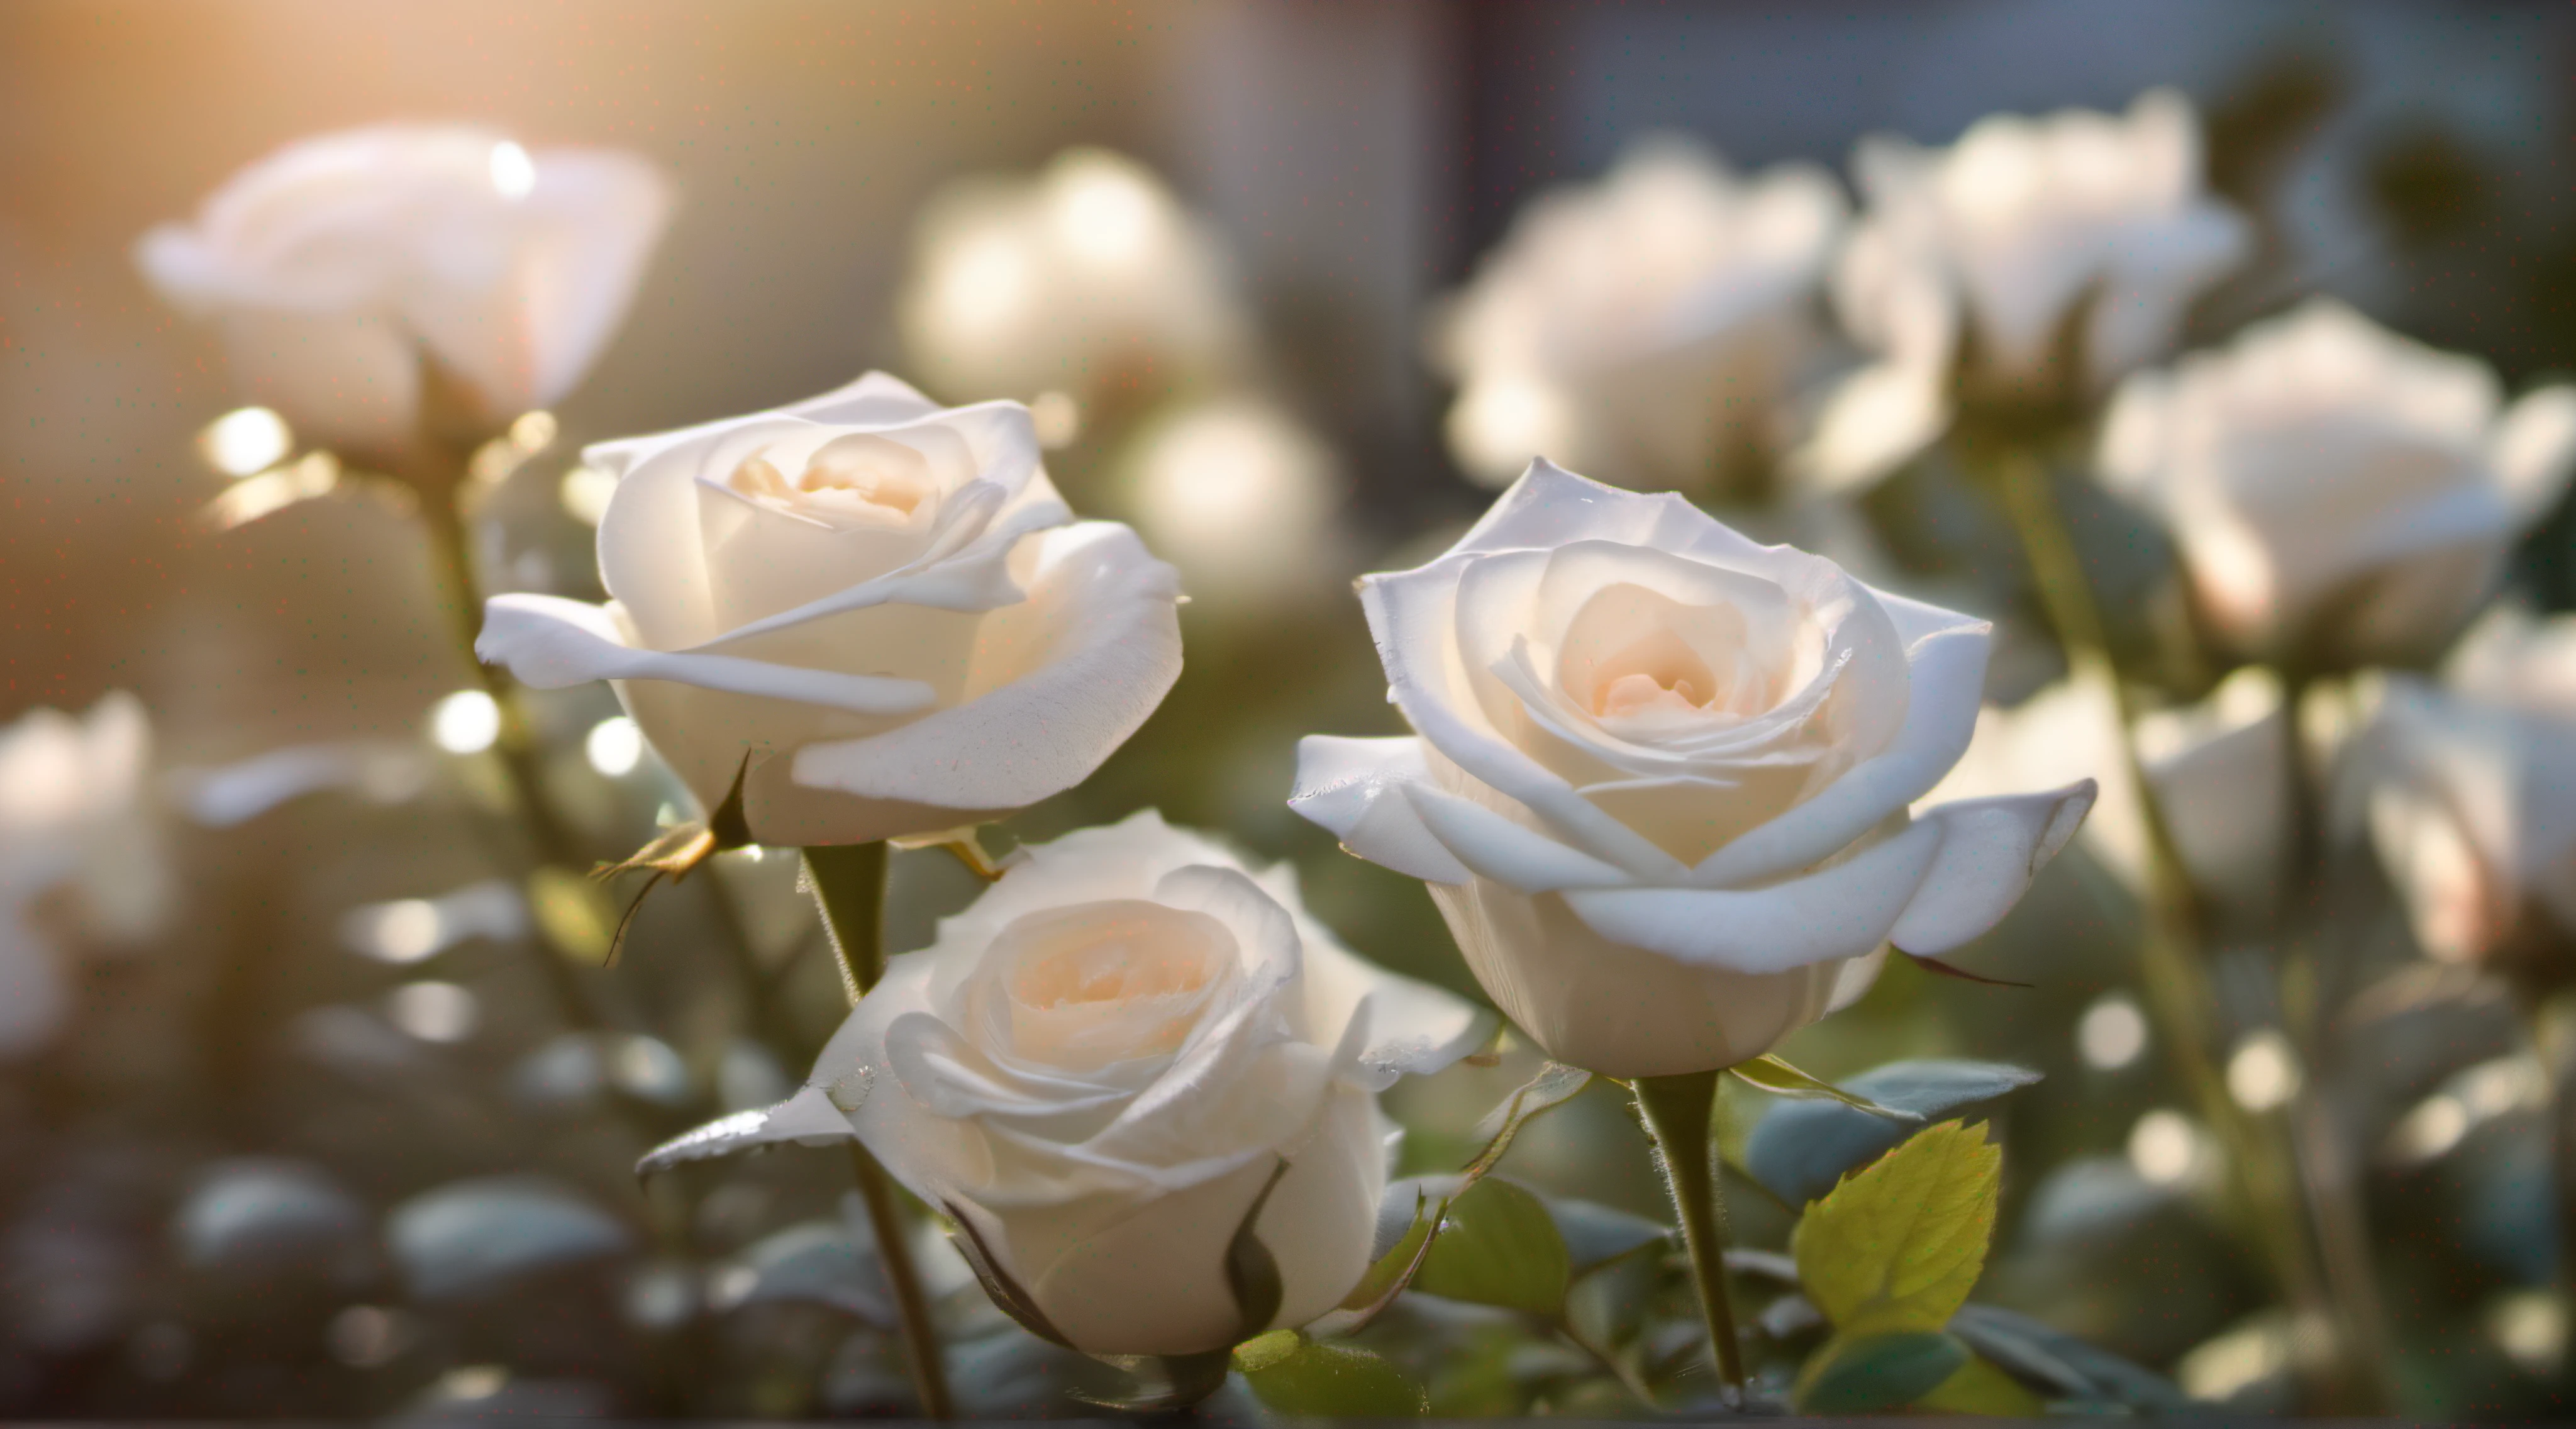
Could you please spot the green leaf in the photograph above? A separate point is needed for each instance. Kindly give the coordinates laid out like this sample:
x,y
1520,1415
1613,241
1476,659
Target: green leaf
x,y
1293,1375
1899,1244
1800,1148
1390,1273
1251,1271
1980,1388
1555,1085
1596,1234
1782,1080
1874,1373
1497,1245
2059,1366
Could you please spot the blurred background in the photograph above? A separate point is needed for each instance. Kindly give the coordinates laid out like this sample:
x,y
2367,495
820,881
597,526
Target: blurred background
x,y
279,1157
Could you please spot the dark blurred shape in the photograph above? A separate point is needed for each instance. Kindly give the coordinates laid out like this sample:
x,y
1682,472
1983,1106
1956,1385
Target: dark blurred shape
x,y
474,1238
2427,186
262,1218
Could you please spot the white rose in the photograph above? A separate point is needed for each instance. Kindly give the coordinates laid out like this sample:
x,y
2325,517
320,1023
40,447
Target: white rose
x,y
1990,246
2340,495
2216,767
77,818
1661,780
1642,325
333,264
1088,278
879,602
1100,1064
2470,796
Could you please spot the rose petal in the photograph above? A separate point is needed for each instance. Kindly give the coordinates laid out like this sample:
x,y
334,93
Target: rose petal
x,y
1946,658
1990,850
577,246
1095,648
1410,1027
550,643
1494,847
2533,449
1841,912
1412,614
877,399
1355,788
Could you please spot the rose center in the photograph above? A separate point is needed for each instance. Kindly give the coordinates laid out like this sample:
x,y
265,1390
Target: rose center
x,y
852,481
1109,981
1123,961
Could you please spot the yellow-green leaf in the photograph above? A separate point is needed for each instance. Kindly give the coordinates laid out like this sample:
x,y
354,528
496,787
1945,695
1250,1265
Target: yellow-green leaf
x,y
1296,1376
1981,1389
1497,1245
1899,1244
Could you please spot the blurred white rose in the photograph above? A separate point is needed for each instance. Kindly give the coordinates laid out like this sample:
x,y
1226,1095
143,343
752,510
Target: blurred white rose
x,y
1981,253
880,603
2216,767
1098,1066
1645,326
2469,790
77,822
2340,494
1661,779
1088,279
333,264
1241,495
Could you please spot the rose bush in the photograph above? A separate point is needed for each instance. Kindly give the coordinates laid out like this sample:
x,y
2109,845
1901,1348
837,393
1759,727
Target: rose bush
x,y
2340,494
1976,257
872,609
2216,766
1127,1050
333,264
1660,778
78,822
2468,789
1642,325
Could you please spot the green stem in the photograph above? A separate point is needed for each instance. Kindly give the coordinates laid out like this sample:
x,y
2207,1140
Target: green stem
x,y
2326,1170
849,882
551,841
1679,1112
2176,976
894,1252
2547,1022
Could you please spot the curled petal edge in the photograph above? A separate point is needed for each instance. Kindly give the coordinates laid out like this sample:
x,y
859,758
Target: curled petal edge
x,y
550,643
1047,730
1946,878
1355,788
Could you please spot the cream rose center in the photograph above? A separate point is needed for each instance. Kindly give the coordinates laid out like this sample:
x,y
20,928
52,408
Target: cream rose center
x,y
1646,665
1109,982
852,481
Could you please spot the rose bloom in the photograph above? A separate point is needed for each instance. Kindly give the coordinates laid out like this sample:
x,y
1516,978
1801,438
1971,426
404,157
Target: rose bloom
x,y
1099,1066
2340,495
334,264
2469,791
1981,254
2216,767
1661,775
872,609
82,860
1647,326
1087,279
